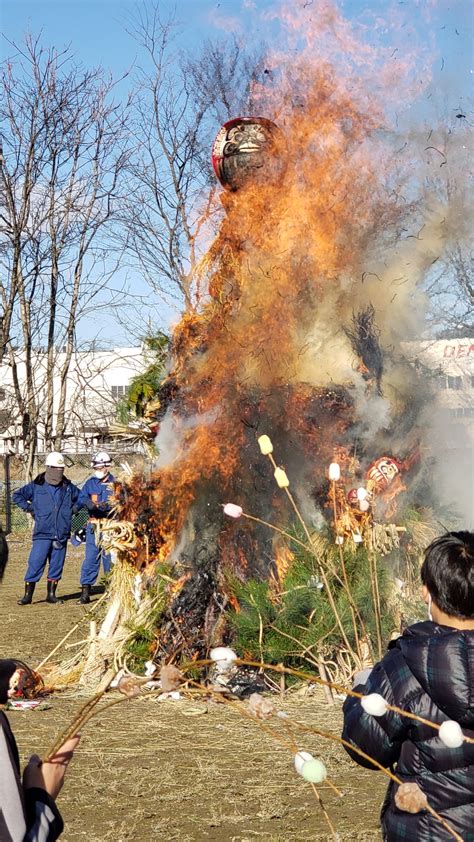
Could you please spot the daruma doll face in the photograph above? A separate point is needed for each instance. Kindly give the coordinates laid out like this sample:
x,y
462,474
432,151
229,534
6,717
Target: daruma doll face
x,y
382,472
248,149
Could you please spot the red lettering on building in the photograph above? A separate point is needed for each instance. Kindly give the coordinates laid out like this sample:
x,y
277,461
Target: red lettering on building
x,y
458,350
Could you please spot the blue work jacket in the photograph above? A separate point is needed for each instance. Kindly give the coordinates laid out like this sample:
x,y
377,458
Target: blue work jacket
x,y
51,506
95,496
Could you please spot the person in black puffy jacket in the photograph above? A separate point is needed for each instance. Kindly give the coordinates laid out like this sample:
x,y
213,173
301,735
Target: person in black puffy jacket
x,y
428,671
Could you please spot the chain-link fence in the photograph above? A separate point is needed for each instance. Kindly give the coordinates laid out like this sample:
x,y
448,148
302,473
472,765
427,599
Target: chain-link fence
x,y
78,469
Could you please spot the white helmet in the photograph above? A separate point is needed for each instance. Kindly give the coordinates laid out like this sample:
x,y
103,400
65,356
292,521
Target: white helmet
x,y
101,458
55,460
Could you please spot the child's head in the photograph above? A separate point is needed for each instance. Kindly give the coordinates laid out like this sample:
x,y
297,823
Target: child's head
x,y
448,573
18,679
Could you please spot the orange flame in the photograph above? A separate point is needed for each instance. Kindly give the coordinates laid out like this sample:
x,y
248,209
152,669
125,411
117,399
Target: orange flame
x,y
176,586
283,559
288,268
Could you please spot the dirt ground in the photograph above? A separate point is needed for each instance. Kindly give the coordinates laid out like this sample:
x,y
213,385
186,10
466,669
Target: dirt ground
x,y
177,770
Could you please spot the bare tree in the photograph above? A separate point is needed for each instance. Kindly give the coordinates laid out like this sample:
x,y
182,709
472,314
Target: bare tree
x,y
177,109
64,149
450,284
451,294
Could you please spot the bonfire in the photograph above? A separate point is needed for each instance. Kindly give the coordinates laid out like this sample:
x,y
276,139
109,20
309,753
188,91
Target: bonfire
x,y
298,340
287,504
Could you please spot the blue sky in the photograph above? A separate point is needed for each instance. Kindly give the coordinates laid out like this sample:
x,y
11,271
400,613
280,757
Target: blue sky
x,y
96,28
96,31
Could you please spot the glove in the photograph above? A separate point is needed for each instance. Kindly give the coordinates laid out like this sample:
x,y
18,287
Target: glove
x,y
78,537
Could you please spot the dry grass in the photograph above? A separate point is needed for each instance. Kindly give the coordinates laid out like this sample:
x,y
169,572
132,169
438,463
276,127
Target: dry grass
x,y
186,771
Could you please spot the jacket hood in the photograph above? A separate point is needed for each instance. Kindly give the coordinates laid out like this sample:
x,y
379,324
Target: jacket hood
x,y
442,661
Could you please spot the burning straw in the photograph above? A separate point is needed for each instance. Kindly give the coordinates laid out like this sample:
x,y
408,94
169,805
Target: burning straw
x,y
308,302
313,546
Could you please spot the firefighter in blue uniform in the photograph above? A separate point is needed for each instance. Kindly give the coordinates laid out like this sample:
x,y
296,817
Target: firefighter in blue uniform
x,y
52,499
95,496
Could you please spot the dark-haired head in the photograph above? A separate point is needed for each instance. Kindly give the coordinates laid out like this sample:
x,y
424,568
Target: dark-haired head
x,y
18,679
448,573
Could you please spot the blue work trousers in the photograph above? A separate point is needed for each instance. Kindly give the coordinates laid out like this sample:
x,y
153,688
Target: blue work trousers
x,y
42,551
92,559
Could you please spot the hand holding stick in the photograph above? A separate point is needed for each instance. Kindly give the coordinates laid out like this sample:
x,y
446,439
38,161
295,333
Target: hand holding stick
x,y
49,774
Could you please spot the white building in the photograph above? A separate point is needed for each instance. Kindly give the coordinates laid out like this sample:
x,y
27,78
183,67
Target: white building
x,y
452,361
449,432
97,381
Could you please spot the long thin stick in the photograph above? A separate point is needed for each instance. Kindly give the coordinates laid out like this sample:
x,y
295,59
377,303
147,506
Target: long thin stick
x,y
325,812
321,569
328,736
312,550
70,632
82,716
289,744
90,709
346,582
376,600
306,676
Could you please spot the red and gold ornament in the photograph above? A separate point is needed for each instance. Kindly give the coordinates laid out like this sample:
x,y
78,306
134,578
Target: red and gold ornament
x,y
382,472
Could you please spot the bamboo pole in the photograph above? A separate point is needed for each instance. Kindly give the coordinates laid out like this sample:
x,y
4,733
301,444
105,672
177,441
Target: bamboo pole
x,y
327,690
321,570
376,599
70,632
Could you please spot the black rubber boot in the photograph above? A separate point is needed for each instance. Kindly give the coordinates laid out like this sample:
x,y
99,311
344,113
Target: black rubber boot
x,y
29,591
85,594
51,597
